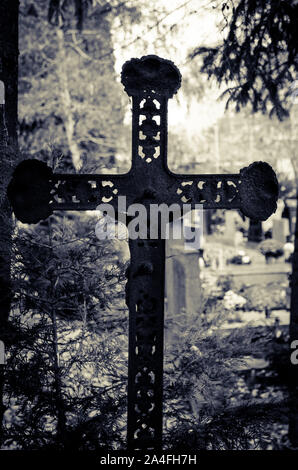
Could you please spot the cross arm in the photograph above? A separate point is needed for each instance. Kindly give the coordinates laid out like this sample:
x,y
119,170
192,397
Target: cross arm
x,y
151,81
254,190
35,191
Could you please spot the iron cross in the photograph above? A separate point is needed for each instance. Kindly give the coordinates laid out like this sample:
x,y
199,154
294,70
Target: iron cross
x,y
35,192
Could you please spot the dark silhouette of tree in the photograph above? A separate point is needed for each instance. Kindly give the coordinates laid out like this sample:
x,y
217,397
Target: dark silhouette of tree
x,y
8,136
258,57
64,386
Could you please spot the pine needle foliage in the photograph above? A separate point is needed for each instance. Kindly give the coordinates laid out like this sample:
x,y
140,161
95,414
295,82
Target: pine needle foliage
x,y
65,378
258,58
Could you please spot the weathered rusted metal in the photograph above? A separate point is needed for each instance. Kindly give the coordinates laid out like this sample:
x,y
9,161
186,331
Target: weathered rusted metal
x,y
150,81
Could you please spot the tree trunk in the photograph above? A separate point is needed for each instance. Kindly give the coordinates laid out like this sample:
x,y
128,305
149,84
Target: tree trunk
x,y
9,10
66,101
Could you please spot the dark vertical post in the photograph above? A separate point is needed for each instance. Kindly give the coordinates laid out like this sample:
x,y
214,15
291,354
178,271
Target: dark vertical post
x,y
9,11
146,279
145,298
293,386
9,14
255,231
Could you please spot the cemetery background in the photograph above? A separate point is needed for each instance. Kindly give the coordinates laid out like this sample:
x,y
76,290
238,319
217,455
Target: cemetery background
x,y
70,286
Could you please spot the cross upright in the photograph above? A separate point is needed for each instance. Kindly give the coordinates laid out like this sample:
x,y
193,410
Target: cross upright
x,y
35,192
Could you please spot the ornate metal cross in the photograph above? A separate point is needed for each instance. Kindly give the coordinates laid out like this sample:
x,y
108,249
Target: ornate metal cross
x,y
35,192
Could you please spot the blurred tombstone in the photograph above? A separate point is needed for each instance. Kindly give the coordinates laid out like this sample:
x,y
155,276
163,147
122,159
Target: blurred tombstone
x,y
208,221
183,292
221,260
238,238
178,298
230,228
2,353
291,205
280,230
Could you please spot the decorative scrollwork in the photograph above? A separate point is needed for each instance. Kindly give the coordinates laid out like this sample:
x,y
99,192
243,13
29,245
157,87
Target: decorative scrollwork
x,y
146,364
149,129
77,191
213,192
145,293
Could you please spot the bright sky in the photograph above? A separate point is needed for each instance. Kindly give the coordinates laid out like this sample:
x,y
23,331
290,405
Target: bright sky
x,y
197,25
